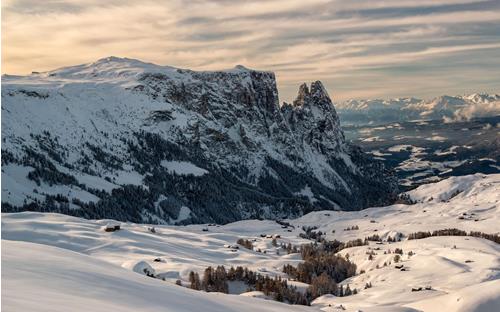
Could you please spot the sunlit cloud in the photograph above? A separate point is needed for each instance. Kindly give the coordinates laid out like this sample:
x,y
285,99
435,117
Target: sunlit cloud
x,y
358,48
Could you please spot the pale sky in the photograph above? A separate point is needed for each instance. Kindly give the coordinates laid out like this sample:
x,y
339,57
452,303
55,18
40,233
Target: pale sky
x,y
358,48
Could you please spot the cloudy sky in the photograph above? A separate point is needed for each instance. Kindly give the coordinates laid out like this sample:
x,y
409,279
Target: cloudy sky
x,y
358,48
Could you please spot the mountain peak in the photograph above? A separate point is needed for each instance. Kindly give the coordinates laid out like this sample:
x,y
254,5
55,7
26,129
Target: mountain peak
x,y
110,67
242,68
113,59
302,95
316,96
318,90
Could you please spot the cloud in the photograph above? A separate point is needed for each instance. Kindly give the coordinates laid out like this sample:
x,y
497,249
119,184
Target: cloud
x,y
359,48
478,110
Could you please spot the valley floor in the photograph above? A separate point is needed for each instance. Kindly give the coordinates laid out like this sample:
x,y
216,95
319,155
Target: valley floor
x,y
53,262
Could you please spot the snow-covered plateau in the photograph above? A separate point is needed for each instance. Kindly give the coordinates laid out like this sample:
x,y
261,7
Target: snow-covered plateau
x,y
55,262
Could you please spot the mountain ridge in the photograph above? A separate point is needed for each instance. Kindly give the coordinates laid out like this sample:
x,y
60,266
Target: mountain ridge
x,y
446,107
121,138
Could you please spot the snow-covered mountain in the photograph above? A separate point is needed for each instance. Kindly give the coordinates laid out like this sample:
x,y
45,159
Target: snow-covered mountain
x,y
123,139
445,107
54,262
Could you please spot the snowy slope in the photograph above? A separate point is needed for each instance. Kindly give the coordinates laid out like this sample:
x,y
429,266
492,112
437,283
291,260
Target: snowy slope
x,y
446,264
462,272
43,278
484,300
110,138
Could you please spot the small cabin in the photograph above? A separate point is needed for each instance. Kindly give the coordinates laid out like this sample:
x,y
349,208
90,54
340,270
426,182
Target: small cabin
x,y
112,227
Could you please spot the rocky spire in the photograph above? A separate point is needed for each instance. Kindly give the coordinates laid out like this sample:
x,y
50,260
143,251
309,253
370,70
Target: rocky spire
x,y
302,96
317,97
313,118
318,92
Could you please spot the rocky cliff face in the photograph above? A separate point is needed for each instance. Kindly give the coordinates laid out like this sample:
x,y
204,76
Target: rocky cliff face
x,y
134,141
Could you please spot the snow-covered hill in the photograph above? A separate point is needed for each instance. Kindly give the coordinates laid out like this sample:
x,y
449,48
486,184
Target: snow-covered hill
x,y
123,139
449,108
43,278
57,262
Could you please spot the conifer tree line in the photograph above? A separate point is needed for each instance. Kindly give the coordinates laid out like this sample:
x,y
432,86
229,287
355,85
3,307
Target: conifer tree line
x,y
245,243
335,245
322,269
216,280
319,260
208,196
455,232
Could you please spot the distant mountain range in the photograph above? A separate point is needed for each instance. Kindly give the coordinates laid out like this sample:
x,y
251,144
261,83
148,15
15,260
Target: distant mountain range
x,y
124,139
448,108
